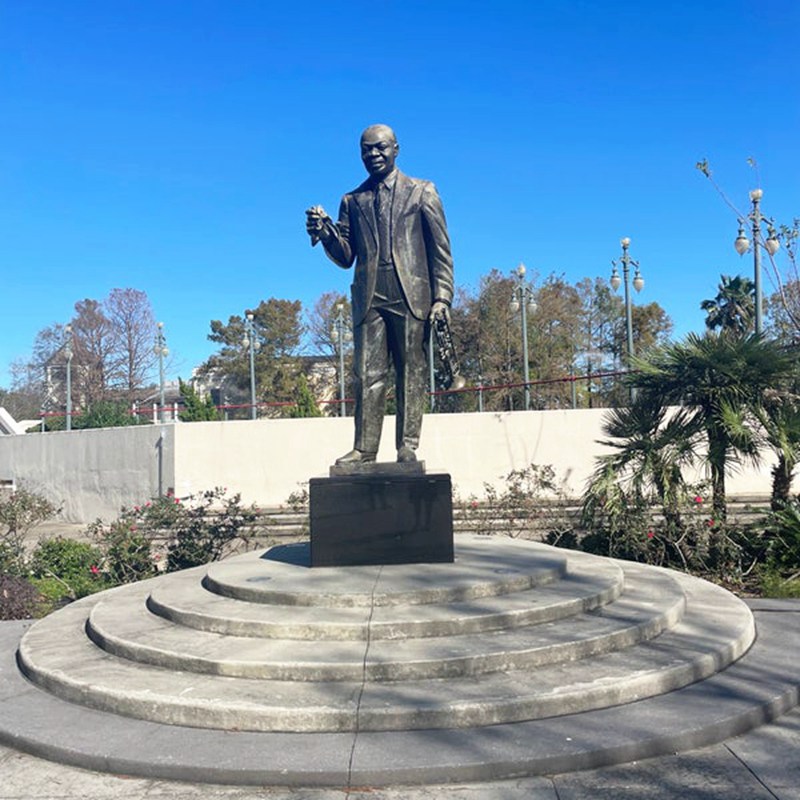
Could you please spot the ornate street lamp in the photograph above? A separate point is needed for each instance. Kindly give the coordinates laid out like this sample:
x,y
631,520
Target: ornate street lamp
x,y
770,244
340,333
253,345
638,284
68,353
161,350
522,299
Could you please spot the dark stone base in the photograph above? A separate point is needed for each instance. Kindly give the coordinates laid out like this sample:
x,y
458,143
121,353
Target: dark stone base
x,y
381,519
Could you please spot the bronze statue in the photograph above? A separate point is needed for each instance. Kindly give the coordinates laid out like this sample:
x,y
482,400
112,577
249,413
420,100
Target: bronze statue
x,y
393,228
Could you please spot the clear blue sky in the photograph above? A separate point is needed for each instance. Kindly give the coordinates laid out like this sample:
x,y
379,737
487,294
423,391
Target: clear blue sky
x,y
173,146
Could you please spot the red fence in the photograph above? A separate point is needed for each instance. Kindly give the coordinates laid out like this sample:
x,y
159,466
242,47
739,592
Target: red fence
x,y
171,411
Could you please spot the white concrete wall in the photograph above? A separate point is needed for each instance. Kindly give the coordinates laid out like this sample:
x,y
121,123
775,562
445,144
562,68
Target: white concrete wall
x,y
266,460
92,473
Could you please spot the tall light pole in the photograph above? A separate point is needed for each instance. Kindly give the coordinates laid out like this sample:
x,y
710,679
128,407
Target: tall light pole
x,y
252,345
68,352
522,300
340,335
161,350
638,284
771,245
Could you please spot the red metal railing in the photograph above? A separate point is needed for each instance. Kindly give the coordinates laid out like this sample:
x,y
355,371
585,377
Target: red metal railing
x,y
173,410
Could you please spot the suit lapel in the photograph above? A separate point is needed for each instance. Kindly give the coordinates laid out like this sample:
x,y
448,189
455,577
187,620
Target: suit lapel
x,y
365,202
403,188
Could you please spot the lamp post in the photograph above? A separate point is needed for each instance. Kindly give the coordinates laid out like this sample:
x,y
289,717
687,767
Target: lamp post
x,y
522,300
771,245
68,352
638,284
252,345
340,335
161,350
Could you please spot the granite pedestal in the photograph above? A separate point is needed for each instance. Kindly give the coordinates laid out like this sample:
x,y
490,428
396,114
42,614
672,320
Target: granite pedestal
x,y
383,514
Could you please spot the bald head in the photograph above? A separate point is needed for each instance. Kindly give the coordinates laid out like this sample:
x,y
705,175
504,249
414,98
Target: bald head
x,y
379,130
379,150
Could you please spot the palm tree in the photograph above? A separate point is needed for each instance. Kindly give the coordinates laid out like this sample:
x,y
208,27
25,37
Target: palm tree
x,y
720,380
652,447
733,309
780,418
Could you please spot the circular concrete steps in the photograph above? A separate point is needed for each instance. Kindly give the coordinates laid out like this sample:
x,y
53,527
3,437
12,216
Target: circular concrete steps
x,y
607,662
512,631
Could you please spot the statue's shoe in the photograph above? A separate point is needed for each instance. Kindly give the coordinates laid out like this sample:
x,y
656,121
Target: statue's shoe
x,y
406,455
356,457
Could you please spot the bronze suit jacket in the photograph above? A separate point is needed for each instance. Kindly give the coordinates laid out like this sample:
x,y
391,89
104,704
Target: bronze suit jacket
x,y
420,245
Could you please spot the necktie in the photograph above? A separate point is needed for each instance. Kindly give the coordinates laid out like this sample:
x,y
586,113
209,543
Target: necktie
x,y
383,202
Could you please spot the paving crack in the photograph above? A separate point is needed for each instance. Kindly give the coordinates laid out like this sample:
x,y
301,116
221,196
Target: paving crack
x,y
751,771
363,685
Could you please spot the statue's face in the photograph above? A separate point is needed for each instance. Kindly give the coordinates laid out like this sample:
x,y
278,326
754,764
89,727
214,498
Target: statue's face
x,y
378,151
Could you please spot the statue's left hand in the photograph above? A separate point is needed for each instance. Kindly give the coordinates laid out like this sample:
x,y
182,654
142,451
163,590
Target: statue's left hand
x,y
438,309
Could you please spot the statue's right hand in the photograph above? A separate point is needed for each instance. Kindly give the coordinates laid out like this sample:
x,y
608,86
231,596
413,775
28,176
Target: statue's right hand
x,y
315,220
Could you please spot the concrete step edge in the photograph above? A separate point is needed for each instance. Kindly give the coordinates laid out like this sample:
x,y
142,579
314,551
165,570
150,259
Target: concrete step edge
x,y
125,628
756,689
193,607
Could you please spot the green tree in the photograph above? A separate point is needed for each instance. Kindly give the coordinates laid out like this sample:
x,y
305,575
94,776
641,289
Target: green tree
x,y
719,380
107,414
278,331
553,335
486,336
651,449
196,407
732,311
304,403
780,418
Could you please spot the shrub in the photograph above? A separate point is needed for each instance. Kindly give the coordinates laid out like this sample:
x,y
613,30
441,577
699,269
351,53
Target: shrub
x,y
127,553
129,556
107,414
201,533
298,499
203,528
64,569
19,599
626,524
532,499
773,584
783,548
19,512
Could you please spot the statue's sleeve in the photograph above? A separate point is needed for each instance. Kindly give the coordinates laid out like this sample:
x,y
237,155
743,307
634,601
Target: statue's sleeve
x,y
337,244
437,244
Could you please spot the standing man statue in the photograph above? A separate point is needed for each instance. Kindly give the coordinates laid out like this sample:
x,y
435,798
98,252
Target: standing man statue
x,y
393,228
